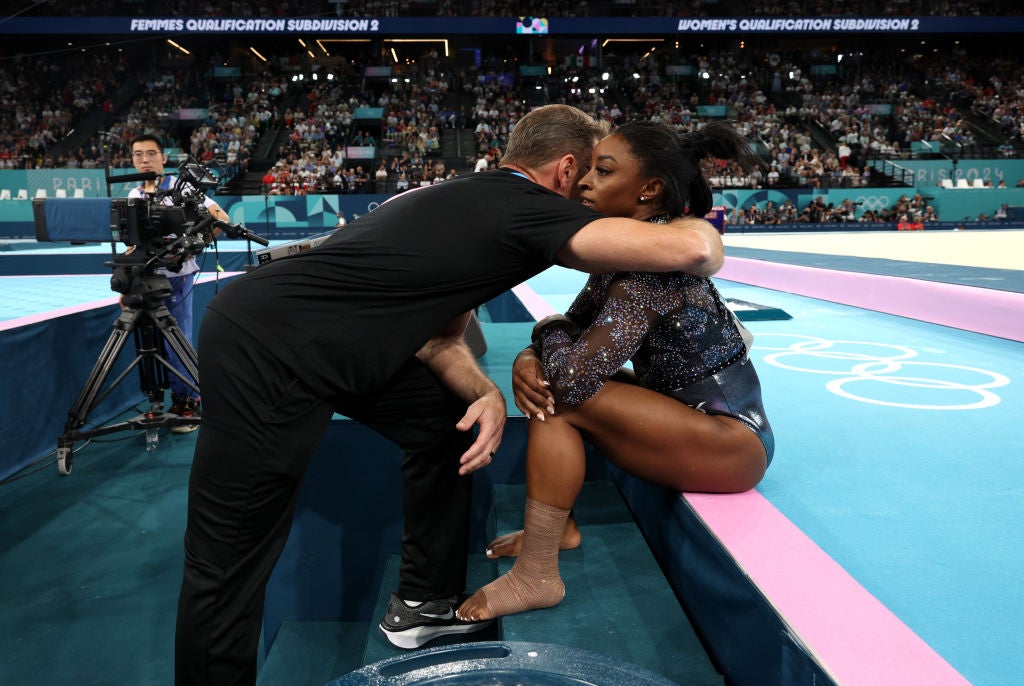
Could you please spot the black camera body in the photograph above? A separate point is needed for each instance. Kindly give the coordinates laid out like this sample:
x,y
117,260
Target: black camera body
x,y
161,228
171,223
144,223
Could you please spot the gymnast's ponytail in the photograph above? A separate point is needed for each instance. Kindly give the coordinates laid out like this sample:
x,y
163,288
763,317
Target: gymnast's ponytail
x,y
717,140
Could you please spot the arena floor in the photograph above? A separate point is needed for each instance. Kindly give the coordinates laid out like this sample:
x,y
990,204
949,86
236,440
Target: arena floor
x,y
987,249
897,455
898,459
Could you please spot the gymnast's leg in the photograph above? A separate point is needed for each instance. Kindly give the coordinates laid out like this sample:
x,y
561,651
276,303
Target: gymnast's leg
x,y
647,434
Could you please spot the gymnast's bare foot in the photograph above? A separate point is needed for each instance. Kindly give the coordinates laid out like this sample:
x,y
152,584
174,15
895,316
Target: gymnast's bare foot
x,y
509,594
474,606
509,544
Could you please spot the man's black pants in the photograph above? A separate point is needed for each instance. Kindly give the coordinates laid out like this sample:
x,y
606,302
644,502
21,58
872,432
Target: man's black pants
x,y
260,427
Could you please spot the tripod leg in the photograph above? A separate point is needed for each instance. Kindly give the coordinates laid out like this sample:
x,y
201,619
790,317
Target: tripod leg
x,y
152,324
152,367
86,400
181,346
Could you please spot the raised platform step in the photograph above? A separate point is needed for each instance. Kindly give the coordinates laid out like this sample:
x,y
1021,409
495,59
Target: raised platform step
x,y
313,653
617,602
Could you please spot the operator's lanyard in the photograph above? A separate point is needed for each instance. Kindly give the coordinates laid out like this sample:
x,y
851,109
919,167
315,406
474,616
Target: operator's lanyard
x,y
165,183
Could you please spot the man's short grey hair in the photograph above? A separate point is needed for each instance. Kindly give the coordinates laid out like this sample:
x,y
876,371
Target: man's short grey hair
x,y
551,131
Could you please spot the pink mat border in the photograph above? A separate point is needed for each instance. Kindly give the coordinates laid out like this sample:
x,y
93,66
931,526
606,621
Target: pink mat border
x,y
982,310
537,306
850,632
74,309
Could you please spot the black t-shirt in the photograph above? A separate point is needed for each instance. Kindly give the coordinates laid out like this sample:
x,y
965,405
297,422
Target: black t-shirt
x,y
345,315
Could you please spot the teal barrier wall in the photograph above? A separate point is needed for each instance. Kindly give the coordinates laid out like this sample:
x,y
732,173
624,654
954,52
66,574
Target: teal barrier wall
x,y
927,173
274,217
957,205
294,216
951,205
54,381
283,217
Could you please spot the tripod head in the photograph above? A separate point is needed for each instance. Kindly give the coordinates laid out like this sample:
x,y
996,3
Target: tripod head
x,y
134,277
134,273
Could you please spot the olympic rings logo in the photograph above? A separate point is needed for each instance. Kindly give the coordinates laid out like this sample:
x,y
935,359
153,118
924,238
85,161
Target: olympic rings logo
x,y
873,202
872,368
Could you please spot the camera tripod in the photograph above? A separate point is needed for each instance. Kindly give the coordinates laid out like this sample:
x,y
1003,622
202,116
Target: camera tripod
x,y
148,320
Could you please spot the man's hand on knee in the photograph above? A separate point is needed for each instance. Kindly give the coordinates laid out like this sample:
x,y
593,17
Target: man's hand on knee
x,y
488,414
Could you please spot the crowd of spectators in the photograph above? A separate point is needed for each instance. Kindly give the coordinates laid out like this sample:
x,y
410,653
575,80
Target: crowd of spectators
x,y
230,127
322,128
812,130
215,121
772,98
422,100
41,101
914,209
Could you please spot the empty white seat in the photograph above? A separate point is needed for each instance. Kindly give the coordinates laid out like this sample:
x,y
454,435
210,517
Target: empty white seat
x,y
22,194
978,183
5,193
40,192
947,183
962,183
61,193
79,192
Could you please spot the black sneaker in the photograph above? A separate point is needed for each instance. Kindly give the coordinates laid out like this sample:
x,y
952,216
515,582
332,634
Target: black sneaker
x,y
185,408
410,627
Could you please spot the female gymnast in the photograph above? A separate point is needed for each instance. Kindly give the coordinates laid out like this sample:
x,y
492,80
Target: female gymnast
x,y
689,416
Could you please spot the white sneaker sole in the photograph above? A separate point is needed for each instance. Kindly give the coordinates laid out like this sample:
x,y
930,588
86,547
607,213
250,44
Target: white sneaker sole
x,y
184,428
411,639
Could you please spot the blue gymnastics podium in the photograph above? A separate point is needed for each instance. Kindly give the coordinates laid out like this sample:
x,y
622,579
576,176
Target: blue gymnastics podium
x,y
502,663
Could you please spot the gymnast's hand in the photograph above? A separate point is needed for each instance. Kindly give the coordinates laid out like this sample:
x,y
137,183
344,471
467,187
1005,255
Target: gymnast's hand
x,y
529,387
488,414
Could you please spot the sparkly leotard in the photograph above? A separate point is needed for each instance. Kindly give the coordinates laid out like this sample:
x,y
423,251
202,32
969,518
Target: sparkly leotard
x,y
676,329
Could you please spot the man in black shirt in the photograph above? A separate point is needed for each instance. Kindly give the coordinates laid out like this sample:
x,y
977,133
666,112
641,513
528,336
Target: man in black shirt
x,y
369,324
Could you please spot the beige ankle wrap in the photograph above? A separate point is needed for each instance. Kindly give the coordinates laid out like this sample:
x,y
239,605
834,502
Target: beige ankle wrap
x,y
533,582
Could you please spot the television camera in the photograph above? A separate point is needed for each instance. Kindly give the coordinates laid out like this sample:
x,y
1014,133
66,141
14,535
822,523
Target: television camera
x,y
161,231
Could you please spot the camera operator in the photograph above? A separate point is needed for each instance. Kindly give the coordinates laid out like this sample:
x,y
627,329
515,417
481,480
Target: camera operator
x,y
148,156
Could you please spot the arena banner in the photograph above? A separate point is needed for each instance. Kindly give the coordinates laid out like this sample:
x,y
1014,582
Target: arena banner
x,y
88,182
993,171
53,183
291,217
445,26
